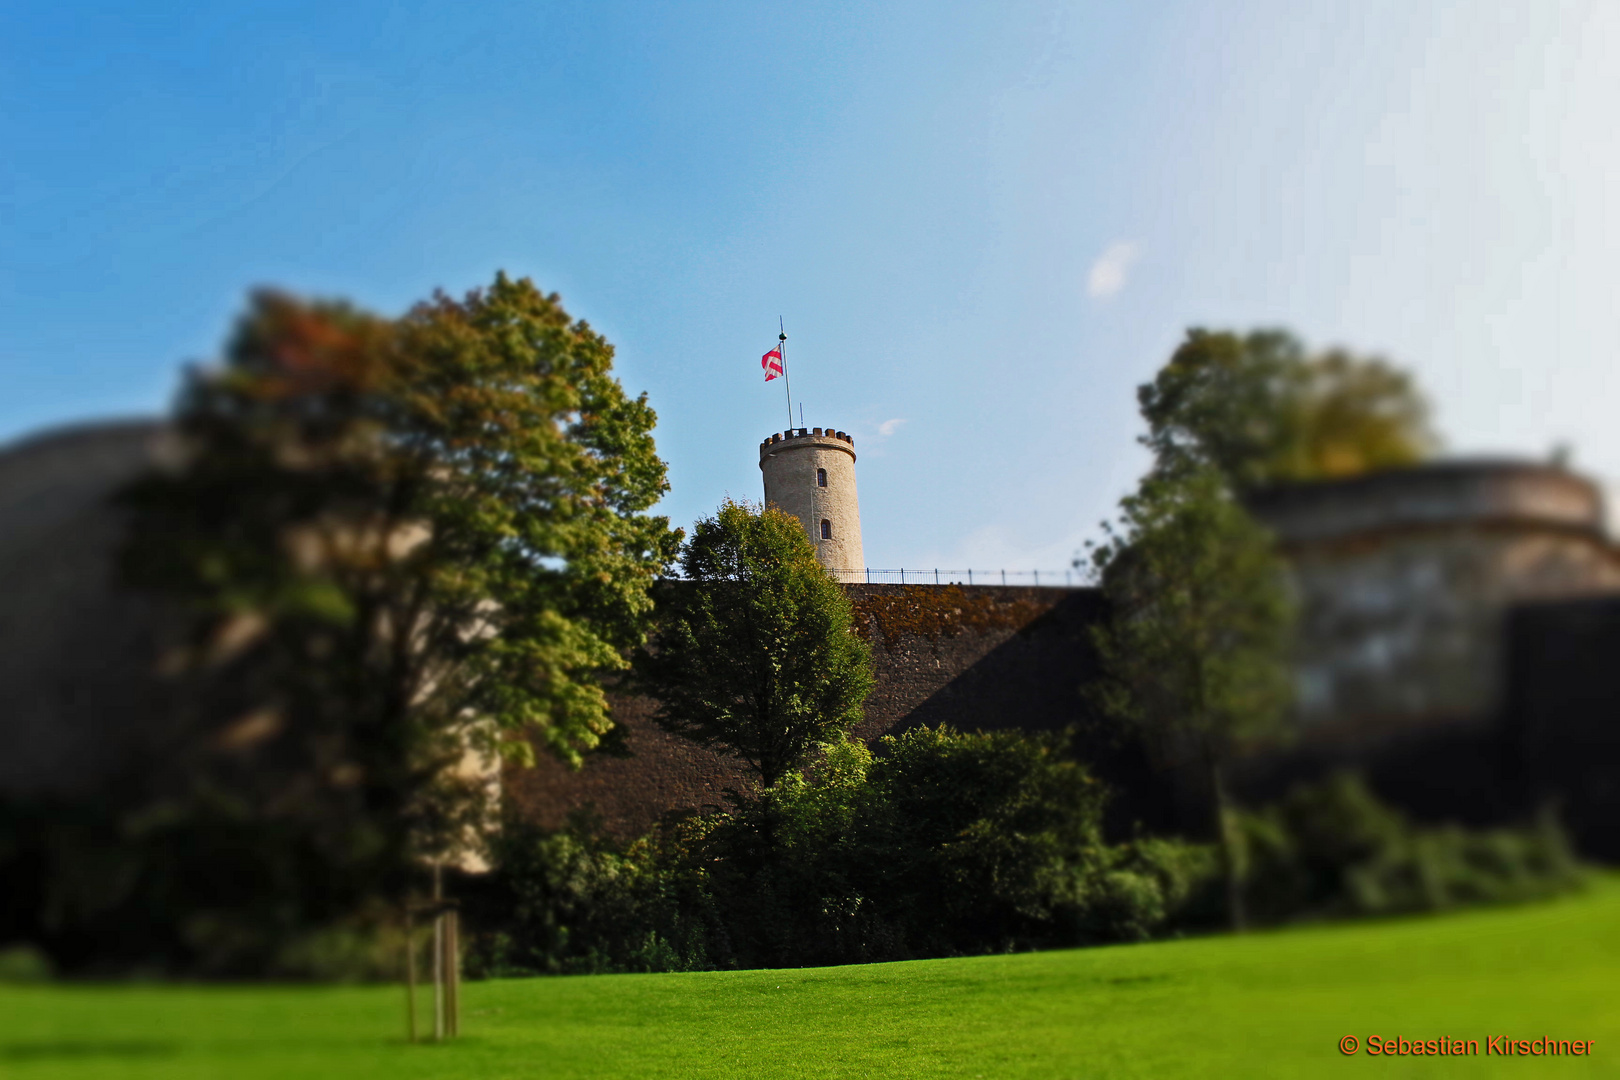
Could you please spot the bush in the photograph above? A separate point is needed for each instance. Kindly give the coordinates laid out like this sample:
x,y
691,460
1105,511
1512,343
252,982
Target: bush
x,y
993,842
939,844
574,902
101,890
1333,849
24,964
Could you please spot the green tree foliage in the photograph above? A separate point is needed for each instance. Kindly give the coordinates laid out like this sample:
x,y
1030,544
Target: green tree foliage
x,y
945,844
575,902
397,541
1195,652
940,844
1358,415
974,842
1332,849
755,653
1201,612
1260,410
1195,649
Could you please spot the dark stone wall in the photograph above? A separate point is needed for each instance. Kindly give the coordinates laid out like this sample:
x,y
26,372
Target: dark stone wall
x,y
986,658
973,657
652,774
1444,771
85,701
82,703
976,657
1562,719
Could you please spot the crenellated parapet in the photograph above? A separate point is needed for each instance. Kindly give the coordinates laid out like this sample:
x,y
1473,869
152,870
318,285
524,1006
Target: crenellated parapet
x,y
779,441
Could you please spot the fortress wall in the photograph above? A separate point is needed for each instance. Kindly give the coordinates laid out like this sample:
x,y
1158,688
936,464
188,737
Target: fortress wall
x,y
1411,664
626,794
77,652
1405,578
1409,627
1562,718
974,657
1409,581
1459,491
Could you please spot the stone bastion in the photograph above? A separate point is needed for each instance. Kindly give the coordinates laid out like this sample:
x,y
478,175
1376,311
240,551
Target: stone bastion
x,y
1458,627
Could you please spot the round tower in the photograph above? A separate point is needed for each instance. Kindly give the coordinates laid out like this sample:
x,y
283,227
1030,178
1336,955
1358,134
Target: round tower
x,y
810,473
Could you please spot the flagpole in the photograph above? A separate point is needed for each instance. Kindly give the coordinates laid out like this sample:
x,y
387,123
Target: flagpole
x,y
781,347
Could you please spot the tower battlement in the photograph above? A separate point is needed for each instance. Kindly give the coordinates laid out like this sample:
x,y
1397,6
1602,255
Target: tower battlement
x,y
810,473
793,435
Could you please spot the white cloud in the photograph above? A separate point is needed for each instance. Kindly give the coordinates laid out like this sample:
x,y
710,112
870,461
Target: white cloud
x,y
889,427
1108,273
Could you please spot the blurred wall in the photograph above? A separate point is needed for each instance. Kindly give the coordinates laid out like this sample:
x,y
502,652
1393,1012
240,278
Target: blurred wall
x,y
1408,581
974,657
1405,578
1562,715
79,696
1410,584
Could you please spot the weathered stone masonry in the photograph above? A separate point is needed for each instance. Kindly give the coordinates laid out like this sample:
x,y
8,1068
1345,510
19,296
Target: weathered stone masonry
x,y
978,657
1458,642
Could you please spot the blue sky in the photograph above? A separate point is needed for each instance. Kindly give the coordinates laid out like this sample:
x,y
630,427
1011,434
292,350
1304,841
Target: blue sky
x,y
984,224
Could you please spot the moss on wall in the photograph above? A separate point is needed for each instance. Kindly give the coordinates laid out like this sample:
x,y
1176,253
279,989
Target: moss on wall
x,y
889,616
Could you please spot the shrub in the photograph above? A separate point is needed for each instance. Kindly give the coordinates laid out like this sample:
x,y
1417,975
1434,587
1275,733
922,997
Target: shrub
x,y
24,964
940,843
1333,849
574,902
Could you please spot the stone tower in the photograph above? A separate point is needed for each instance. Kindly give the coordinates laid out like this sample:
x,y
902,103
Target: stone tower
x,y
810,473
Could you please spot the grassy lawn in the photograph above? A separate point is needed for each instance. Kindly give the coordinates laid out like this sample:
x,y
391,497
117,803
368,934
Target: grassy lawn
x,y
1269,1004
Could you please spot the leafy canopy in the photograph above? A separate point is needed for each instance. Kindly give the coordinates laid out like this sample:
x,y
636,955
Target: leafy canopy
x,y
940,843
1194,652
1201,607
1197,640
755,653
1260,410
402,539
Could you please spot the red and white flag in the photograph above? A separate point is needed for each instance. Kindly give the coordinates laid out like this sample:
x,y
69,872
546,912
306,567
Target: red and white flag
x,y
772,363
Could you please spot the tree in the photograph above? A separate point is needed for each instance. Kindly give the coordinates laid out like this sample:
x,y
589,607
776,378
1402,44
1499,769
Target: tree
x,y
754,652
1194,651
398,541
1358,415
1259,410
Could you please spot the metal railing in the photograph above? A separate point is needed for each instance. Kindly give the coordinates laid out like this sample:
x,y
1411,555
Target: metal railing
x,y
1067,578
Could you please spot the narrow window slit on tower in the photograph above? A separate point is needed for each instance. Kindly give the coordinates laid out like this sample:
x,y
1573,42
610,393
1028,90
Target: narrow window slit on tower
x,y
821,478
826,529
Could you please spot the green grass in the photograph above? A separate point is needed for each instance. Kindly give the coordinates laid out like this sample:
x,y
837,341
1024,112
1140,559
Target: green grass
x,y
1268,1004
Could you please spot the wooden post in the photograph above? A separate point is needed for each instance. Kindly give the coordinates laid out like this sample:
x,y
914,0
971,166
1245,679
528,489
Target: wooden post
x,y
410,977
438,956
452,973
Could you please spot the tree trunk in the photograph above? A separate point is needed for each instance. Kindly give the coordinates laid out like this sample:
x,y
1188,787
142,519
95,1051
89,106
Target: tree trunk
x,y
767,823
1229,844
